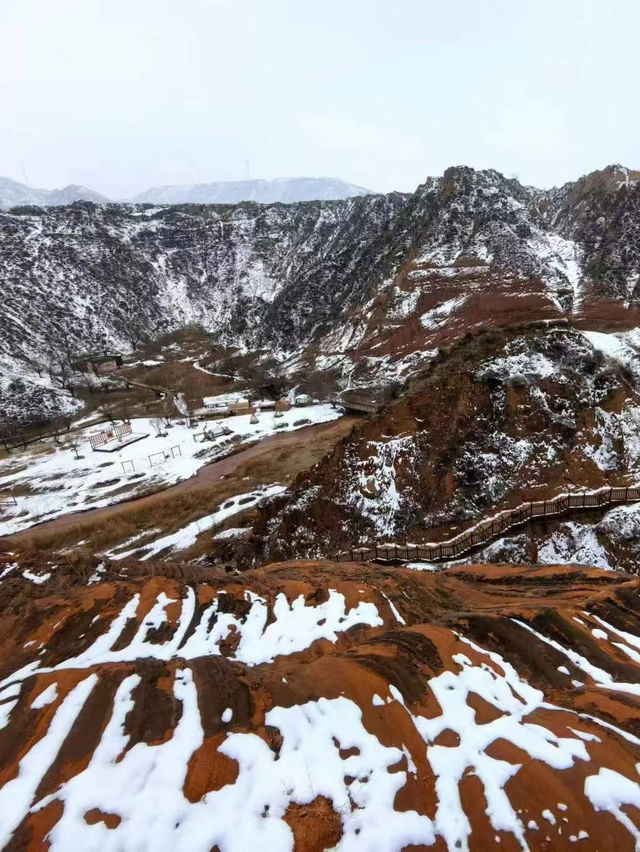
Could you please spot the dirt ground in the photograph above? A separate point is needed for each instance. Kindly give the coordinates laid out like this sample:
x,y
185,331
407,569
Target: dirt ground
x,y
276,459
485,681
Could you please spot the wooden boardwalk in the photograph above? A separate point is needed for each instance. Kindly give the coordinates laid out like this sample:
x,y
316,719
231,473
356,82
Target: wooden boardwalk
x,y
358,404
490,528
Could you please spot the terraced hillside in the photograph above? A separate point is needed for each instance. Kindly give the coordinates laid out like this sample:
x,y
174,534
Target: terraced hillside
x,y
346,707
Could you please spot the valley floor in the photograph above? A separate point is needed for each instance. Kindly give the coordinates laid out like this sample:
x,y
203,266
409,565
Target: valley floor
x,y
49,480
128,525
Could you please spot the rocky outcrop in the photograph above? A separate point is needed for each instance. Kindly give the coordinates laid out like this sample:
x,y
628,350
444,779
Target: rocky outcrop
x,y
504,417
321,706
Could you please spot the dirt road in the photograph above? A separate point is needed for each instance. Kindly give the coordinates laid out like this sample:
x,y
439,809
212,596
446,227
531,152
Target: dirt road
x,y
203,480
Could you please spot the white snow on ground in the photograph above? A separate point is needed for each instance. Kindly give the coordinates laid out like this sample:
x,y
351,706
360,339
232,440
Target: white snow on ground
x,y
564,257
607,427
610,345
622,524
387,368
184,538
58,401
615,429
325,750
423,566
47,696
374,491
5,712
437,317
116,551
144,786
600,677
8,570
17,794
8,700
36,578
394,610
499,684
614,346
63,484
622,347
610,791
404,303
574,543
232,532
521,364
294,627
631,644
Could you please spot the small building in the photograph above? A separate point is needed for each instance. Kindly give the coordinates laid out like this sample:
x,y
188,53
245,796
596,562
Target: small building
x,y
303,399
215,405
240,406
98,365
282,405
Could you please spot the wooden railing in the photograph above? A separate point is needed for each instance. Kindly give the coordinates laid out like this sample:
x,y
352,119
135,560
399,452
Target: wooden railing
x,y
118,430
489,528
361,404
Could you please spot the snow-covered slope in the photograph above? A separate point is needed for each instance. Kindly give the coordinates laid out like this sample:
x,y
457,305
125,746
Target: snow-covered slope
x,y
382,280
601,213
504,417
312,706
283,190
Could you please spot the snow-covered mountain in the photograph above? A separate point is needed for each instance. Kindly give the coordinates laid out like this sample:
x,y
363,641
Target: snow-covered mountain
x,y
283,190
15,194
380,281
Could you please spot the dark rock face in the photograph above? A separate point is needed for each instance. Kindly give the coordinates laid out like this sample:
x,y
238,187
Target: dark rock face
x,y
601,212
505,417
285,277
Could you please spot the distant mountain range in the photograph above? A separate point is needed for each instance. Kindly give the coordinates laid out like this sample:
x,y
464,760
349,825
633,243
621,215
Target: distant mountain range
x,y
15,194
379,282
284,190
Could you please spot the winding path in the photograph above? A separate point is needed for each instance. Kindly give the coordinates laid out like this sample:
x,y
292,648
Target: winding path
x,y
202,480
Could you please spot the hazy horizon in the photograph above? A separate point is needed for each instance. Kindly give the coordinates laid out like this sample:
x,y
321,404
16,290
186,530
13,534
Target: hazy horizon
x,y
123,96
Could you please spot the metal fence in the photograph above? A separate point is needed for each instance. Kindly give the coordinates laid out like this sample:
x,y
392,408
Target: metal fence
x,y
489,528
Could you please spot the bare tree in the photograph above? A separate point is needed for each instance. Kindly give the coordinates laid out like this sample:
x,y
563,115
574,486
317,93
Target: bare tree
x,y
75,446
166,410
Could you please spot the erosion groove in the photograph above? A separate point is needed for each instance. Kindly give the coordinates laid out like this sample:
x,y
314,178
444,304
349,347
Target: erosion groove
x,y
281,694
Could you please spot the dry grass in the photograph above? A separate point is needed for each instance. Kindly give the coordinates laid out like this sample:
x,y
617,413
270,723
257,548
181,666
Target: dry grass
x,y
176,510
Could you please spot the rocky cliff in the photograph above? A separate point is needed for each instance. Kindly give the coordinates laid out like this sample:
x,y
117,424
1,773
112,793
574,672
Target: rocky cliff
x,y
328,283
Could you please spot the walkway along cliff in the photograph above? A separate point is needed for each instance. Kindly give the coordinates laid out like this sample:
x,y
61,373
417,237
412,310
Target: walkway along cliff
x,y
490,528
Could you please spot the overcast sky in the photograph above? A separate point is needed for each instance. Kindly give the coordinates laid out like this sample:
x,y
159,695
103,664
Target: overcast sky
x,y
125,94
